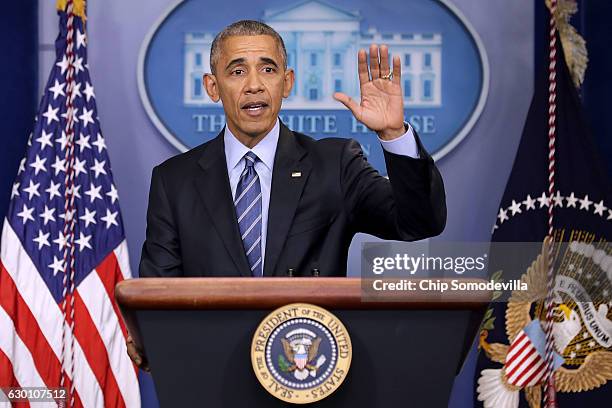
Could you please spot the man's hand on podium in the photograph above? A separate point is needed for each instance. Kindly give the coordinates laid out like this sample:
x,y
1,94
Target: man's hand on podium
x,y
137,355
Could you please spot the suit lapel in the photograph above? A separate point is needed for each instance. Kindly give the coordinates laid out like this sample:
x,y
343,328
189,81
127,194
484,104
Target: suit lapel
x,y
214,189
285,193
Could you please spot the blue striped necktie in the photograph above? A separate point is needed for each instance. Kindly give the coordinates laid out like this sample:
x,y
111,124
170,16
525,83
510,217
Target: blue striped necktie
x,y
248,211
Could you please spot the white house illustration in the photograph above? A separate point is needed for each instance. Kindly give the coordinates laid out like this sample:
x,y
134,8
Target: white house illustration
x,y
322,41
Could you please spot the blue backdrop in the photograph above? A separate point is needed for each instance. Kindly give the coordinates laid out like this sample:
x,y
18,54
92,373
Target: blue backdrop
x,y
18,86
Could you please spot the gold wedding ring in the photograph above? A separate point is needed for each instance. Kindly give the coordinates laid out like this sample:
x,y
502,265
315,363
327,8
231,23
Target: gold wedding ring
x,y
388,76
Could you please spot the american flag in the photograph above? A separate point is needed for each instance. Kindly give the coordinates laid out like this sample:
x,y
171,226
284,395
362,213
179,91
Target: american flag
x,y
525,363
524,366
63,247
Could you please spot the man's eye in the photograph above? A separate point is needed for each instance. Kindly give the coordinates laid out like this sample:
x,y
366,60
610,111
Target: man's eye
x,y
268,69
238,72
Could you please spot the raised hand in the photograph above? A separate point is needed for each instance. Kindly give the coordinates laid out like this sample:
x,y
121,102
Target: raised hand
x,y
382,104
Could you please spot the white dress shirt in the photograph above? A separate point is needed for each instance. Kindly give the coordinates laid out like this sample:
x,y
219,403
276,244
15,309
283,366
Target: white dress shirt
x,y
266,151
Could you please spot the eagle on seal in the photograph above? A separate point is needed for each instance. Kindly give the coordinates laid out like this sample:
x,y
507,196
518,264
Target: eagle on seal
x,y
301,354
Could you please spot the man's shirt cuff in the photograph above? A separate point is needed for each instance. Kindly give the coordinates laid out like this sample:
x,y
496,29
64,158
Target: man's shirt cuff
x,y
405,145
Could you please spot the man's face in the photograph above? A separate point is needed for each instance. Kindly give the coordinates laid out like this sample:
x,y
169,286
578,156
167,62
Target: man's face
x,y
251,82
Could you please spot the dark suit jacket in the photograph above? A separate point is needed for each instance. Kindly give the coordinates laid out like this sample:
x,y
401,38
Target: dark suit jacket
x,y
191,221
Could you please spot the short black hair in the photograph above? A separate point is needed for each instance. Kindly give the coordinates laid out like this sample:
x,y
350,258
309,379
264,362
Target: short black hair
x,y
245,27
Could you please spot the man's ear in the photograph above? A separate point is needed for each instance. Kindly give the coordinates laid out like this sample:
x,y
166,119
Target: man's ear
x,y
288,82
210,83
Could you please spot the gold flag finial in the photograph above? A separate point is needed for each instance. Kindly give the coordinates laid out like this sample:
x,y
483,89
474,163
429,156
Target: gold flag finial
x,y
78,7
574,46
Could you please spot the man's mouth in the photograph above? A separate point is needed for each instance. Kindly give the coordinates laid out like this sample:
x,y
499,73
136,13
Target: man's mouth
x,y
254,108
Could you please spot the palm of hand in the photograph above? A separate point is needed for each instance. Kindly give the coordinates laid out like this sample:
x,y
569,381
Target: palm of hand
x,y
382,105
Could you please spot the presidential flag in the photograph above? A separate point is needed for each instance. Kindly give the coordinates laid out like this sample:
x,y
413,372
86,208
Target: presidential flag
x,y
63,246
511,369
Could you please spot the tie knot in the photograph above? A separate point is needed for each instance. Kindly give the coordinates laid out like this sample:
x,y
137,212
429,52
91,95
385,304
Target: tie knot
x,y
250,159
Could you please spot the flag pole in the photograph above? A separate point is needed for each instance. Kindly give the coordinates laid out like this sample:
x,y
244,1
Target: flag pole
x,y
69,208
550,400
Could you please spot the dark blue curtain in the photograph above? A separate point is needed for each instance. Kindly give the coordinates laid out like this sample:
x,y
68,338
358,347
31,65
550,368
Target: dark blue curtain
x,y
597,31
18,87
592,22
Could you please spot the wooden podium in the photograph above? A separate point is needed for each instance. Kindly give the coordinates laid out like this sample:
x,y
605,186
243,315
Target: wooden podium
x,y
197,334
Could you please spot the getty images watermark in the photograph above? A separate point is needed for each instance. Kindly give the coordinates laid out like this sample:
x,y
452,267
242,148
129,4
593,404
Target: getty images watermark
x,y
434,271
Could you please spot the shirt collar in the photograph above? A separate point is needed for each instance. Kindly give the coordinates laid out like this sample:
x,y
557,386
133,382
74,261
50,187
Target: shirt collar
x,y
265,149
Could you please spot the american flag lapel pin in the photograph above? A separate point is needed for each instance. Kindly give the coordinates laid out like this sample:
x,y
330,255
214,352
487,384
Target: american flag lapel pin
x,y
296,174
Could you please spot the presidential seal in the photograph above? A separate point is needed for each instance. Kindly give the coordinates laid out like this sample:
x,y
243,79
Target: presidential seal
x,y
582,326
301,353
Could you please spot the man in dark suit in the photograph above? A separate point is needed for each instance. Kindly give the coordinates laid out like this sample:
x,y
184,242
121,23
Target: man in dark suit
x,y
261,200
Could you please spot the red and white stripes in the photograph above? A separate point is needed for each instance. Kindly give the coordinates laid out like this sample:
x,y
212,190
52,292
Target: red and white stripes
x,y
549,385
102,374
524,367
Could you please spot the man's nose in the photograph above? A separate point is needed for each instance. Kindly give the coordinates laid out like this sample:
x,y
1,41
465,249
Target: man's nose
x,y
254,83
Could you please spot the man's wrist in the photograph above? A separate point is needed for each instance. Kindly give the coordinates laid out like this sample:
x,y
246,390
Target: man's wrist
x,y
405,145
390,134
